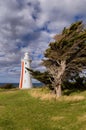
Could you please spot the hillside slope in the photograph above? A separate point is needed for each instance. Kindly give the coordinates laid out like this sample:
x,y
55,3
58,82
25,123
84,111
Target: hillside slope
x,y
25,110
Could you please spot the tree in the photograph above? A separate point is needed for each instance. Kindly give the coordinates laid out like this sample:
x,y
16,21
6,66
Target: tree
x,y
43,77
76,83
67,55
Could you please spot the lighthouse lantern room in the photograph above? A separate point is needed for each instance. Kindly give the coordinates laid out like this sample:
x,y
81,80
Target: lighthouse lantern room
x,y
25,77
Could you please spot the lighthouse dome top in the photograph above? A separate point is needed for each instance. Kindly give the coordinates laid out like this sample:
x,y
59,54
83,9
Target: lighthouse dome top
x,y
26,56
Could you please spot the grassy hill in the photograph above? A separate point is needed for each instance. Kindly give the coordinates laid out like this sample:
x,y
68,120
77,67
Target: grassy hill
x,y
36,109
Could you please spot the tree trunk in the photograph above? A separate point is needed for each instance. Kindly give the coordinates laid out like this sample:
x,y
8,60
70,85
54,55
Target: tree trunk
x,y
58,91
59,77
57,74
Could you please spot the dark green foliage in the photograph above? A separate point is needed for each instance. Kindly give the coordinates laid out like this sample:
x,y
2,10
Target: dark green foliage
x,y
69,46
75,26
7,86
79,83
43,77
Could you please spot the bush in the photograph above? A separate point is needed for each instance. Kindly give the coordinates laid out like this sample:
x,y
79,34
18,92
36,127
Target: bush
x,y
7,86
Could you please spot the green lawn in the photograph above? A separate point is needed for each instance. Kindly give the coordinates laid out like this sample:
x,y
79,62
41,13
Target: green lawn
x,y
21,111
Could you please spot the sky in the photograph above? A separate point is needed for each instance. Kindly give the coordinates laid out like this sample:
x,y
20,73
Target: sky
x,y
29,26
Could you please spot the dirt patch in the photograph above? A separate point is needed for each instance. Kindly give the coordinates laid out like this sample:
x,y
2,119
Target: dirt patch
x,y
57,118
82,118
2,107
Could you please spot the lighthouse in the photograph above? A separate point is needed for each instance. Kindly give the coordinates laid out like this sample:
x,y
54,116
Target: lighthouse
x,y
25,77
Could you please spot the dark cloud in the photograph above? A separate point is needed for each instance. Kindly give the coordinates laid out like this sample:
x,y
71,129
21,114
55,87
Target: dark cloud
x,y
29,25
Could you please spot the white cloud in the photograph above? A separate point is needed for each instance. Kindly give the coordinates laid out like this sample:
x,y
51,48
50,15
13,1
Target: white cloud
x,y
29,25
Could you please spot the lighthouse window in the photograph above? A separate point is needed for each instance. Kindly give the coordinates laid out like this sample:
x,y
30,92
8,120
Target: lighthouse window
x,y
25,71
25,63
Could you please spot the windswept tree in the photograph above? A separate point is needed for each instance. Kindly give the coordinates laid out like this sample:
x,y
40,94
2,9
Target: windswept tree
x,y
67,55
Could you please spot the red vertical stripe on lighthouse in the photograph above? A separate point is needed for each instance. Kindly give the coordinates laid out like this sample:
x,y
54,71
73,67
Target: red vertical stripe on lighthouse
x,y
22,75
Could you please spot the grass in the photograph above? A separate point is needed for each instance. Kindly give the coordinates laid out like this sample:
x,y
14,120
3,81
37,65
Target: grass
x,y
24,110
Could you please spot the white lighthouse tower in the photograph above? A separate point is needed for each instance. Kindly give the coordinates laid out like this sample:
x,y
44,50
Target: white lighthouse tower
x,y
25,77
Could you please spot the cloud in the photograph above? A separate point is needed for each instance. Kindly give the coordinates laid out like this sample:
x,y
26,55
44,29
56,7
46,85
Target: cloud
x,y
29,25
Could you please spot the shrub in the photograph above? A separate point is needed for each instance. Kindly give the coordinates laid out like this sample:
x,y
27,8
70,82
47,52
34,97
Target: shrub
x,y
7,86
